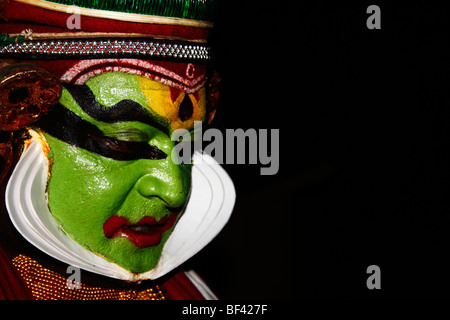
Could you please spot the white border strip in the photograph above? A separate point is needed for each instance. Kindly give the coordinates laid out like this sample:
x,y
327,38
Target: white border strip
x,y
201,285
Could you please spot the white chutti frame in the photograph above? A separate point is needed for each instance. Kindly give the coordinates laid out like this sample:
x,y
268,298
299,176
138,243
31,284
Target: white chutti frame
x,y
208,210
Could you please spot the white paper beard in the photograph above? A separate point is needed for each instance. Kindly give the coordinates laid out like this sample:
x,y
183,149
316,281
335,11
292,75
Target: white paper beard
x,y
208,210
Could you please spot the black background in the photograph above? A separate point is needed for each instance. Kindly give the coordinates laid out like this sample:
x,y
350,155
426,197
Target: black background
x,y
364,125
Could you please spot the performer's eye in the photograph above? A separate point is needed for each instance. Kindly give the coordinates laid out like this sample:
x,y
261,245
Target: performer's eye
x,y
122,150
129,135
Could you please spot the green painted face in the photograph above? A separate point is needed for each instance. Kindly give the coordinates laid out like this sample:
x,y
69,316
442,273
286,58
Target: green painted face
x,y
122,208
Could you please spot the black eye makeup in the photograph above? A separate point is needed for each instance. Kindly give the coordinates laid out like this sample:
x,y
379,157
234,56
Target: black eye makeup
x,y
66,126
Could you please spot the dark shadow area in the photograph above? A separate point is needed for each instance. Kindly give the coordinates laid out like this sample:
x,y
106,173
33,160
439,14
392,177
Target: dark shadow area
x,y
364,151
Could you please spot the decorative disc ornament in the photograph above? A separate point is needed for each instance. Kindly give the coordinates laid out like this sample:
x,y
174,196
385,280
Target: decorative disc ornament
x,y
27,92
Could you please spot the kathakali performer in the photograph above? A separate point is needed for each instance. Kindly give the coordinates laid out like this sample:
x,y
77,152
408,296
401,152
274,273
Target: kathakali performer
x,y
93,205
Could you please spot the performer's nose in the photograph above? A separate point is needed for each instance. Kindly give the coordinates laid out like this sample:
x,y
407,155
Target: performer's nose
x,y
169,189
166,180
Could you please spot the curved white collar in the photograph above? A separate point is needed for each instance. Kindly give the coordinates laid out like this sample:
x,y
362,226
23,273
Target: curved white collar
x,y
208,210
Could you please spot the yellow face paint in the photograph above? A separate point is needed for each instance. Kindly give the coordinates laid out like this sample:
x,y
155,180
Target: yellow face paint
x,y
159,100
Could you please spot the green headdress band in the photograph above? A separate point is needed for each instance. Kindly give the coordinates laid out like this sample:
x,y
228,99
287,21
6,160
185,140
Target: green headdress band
x,y
202,10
